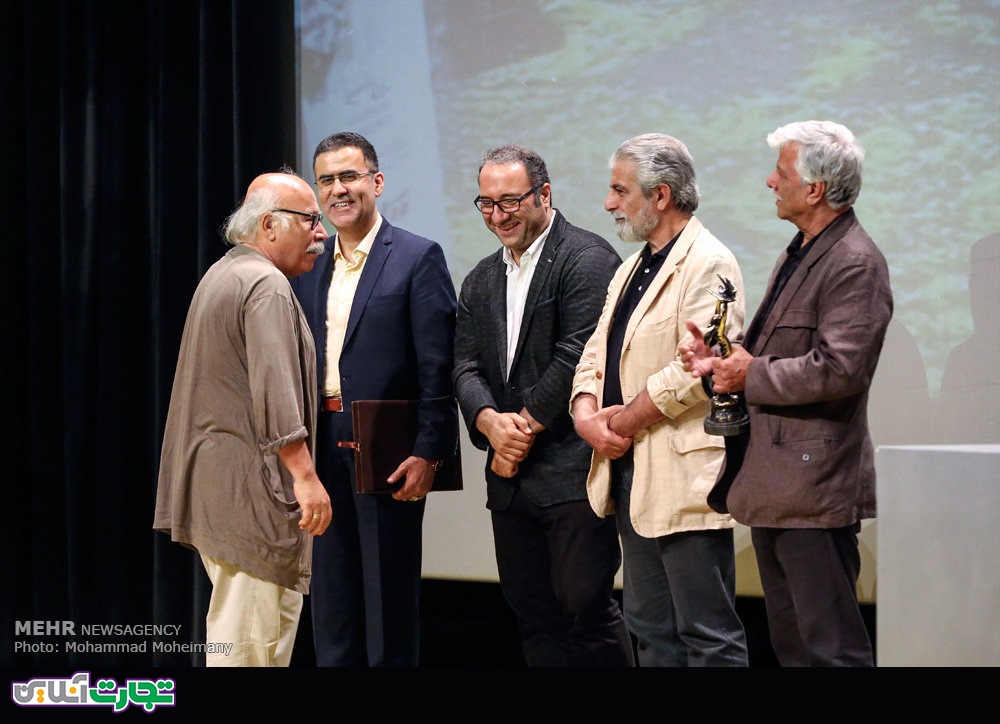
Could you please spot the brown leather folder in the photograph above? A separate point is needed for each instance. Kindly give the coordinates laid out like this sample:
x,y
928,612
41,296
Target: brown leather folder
x,y
384,432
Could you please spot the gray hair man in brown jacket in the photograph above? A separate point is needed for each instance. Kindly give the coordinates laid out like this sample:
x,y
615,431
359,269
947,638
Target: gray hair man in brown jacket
x,y
804,478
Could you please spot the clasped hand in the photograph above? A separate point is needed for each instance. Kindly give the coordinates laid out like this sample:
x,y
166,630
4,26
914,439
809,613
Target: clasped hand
x,y
511,436
594,426
728,373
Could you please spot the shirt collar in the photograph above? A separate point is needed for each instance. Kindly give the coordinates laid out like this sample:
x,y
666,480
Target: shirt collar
x,y
648,255
531,253
364,248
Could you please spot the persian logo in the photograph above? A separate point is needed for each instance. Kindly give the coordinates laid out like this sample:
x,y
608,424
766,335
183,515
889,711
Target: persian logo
x,y
77,691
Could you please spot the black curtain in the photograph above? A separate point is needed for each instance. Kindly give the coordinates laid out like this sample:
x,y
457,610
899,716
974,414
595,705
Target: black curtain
x,y
134,128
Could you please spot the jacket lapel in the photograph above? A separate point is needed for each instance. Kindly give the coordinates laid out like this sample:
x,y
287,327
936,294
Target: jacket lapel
x,y
369,275
497,291
539,279
827,239
680,250
317,314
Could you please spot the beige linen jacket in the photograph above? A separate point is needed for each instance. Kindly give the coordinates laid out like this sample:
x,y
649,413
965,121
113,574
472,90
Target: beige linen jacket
x,y
676,461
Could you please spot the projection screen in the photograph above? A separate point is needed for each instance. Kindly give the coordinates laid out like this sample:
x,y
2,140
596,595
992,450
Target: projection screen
x,y
435,83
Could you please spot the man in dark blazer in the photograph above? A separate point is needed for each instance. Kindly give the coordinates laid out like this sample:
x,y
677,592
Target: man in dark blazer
x,y
381,305
806,477
525,313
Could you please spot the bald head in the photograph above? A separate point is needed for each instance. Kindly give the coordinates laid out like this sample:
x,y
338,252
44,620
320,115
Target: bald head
x,y
281,183
279,217
267,192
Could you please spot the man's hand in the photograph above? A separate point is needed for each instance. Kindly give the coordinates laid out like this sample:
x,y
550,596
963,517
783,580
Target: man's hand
x,y
314,502
511,436
417,474
592,425
503,467
730,374
696,355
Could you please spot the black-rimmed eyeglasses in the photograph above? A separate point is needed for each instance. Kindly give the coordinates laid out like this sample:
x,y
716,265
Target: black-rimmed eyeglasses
x,y
508,206
314,219
347,178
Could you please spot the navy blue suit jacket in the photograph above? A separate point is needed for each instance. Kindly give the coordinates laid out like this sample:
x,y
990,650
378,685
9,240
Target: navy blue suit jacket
x,y
399,340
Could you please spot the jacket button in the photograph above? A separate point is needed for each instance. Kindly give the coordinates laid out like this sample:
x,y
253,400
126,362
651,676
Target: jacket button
x,y
599,375
805,457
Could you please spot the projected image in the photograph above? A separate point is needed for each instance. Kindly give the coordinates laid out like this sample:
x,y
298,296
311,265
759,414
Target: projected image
x,y
434,84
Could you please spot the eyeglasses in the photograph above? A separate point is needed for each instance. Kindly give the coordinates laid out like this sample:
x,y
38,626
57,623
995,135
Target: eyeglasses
x,y
314,219
347,178
508,206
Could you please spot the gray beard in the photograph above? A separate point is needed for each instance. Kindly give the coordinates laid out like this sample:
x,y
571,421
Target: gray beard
x,y
637,230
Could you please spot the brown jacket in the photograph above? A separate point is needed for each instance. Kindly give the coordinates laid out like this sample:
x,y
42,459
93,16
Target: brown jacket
x,y
810,461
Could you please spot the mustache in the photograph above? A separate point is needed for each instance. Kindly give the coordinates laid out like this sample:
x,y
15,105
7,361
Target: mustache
x,y
317,247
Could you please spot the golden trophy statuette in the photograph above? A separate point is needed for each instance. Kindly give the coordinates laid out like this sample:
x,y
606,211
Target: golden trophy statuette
x,y
728,415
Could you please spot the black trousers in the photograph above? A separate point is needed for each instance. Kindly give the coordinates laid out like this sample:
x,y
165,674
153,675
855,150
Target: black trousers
x,y
810,577
557,566
365,593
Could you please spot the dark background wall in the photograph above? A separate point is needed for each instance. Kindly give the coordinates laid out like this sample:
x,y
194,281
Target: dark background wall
x,y
133,129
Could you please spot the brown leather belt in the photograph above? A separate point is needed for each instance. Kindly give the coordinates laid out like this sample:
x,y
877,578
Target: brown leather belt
x,y
332,404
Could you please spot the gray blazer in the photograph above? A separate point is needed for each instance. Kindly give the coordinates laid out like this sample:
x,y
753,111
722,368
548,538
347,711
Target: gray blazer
x,y
809,462
564,300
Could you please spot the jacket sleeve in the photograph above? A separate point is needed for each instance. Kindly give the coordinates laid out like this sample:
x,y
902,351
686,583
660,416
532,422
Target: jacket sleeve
x,y
469,376
432,311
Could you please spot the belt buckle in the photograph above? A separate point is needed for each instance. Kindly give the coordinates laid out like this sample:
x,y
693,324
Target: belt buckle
x,y
333,404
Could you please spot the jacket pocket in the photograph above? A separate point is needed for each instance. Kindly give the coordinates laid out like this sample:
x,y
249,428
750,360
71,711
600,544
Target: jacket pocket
x,y
796,332
699,458
799,318
273,510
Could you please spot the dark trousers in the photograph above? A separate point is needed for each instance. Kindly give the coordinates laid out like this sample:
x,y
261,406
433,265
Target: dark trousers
x,y
810,577
557,567
680,591
365,592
